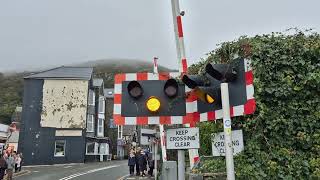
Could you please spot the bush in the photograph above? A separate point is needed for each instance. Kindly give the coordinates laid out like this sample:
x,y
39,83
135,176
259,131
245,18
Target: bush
x,y
282,138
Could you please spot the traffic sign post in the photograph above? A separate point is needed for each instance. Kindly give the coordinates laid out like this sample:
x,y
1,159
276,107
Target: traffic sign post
x,y
181,139
227,131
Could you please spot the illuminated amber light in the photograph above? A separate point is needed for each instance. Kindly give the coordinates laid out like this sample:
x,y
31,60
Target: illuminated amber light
x,y
209,99
153,104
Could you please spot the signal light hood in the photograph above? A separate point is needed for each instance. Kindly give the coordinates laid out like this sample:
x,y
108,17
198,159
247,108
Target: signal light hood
x,y
135,90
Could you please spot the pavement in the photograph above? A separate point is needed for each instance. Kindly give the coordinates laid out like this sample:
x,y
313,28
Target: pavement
x,y
111,170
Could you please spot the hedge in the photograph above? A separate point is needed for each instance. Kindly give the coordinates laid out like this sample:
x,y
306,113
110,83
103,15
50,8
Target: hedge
x,y
282,138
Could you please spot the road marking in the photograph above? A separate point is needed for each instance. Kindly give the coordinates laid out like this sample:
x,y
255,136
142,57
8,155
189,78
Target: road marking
x,y
122,178
67,167
35,171
21,174
54,165
88,172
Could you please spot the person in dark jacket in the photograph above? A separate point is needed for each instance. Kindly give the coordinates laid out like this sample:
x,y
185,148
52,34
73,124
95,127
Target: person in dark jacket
x,y
142,163
151,166
3,166
131,162
138,154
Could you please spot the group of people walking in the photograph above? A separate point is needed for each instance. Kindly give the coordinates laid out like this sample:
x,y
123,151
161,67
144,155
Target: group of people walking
x,y
141,160
10,162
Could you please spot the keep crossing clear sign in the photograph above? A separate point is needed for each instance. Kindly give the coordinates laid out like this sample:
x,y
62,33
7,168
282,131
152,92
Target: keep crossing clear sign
x,y
218,148
183,138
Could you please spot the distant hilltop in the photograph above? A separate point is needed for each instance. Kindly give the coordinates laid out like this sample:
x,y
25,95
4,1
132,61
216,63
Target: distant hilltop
x,y
107,68
121,65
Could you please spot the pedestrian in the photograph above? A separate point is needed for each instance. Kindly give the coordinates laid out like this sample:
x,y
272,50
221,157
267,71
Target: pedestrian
x,y
138,154
18,163
142,163
10,162
21,157
131,162
3,165
151,165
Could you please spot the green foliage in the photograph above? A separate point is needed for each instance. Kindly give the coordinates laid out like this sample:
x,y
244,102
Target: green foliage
x,y
11,90
282,139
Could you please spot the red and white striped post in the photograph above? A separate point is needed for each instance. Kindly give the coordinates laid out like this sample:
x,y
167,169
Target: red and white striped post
x,y
161,126
183,69
155,65
177,22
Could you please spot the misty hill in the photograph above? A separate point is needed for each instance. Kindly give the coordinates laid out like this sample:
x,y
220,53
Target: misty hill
x,y
11,85
106,69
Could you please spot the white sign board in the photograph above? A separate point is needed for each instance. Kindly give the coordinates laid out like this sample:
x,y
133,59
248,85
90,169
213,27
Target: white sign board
x,y
144,139
183,138
218,148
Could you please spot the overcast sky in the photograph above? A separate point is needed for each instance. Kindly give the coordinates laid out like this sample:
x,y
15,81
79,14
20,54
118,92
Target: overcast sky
x,y
42,33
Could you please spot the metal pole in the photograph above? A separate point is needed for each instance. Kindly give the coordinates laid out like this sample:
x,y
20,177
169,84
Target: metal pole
x,y
155,160
227,131
181,165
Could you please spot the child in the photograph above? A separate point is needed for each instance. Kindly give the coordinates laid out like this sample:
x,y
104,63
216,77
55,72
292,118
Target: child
x,y
131,162
18,163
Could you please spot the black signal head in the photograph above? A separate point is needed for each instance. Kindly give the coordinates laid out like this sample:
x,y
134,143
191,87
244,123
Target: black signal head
x,y
171,88
135,90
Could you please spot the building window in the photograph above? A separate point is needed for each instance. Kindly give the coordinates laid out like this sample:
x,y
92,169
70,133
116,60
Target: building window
x,y
91,97
101,105
92,148
120,129
90,123
100,127
104,148
60,147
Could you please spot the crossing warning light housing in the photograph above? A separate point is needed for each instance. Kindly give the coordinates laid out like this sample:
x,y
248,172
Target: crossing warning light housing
x,y
171,88
135,90
206,92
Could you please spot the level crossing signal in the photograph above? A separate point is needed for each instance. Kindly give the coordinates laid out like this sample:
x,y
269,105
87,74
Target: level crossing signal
x,y
207,86
148,98
153,98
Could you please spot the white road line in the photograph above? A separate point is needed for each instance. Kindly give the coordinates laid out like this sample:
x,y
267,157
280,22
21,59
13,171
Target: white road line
x,y
122,178
88,172
67,167
35,171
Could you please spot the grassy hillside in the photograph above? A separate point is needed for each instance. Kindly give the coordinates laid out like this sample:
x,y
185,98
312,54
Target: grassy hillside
x,y
11,86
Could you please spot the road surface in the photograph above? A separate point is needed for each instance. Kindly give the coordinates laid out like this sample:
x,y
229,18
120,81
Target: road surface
x,y
89,171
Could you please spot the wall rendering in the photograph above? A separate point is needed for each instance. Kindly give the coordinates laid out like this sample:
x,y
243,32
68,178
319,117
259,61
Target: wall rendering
x,y
64,103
